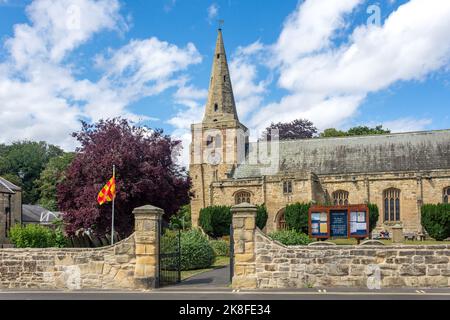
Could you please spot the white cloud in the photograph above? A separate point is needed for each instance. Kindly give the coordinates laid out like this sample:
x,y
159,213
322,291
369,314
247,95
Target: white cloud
x,y
407,124
326,82
213,11
40,95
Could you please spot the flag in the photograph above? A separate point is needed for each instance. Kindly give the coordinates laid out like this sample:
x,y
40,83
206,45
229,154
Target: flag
x,y
108,192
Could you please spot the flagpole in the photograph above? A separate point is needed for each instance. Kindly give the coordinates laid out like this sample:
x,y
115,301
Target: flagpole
x,y
112,220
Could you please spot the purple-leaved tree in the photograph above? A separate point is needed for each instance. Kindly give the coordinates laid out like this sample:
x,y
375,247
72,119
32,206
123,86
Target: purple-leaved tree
x,y
145,174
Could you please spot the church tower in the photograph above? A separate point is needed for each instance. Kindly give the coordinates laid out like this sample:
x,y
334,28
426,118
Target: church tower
x,y
218,143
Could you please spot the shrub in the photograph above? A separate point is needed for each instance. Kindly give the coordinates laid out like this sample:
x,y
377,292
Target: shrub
x,y
290,237
373,216
261,216
221,248
436,220
36,236
296,216
215,221
196,251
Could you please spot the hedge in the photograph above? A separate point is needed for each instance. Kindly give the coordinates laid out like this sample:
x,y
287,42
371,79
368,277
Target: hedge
x,y
36,236
296,216
196,251
216,220
373,216
290,237
436,220
221,247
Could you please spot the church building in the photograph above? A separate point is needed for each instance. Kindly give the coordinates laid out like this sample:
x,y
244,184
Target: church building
x,y
397,172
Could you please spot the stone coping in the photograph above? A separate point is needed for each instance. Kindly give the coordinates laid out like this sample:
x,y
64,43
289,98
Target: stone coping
x,y
353,247
68,249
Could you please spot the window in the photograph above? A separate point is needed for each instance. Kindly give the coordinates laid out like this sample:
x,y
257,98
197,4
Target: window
x,y
391,204
242,196
287,187
209,142
218,55
446,194
216,107
340,198
224,78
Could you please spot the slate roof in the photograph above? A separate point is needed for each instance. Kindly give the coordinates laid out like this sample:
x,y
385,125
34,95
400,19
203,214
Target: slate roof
x,y
8,187
37,214
426,150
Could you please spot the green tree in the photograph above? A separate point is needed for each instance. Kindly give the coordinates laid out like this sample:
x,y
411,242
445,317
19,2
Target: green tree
x,y
436,220
373,216
25,160
355,131
296,216
50,178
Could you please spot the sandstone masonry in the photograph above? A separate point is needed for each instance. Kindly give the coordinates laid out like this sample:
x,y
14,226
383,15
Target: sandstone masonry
x,y
129,264
279,266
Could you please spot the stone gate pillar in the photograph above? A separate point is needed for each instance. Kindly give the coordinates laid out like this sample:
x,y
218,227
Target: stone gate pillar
x,y
147,220
244,226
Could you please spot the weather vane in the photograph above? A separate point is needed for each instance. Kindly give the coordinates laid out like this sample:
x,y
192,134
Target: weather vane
x,y
221,23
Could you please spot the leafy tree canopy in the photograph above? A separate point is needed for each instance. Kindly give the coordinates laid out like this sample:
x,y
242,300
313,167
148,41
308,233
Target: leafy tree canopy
x,y
53,175
355,131
22,163
297,129
145,174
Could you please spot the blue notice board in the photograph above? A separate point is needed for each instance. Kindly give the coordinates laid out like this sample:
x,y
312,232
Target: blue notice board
x,y
339,223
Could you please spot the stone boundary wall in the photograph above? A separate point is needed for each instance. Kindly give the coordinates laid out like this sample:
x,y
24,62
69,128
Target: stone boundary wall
x,y
269,264
129,264
73,269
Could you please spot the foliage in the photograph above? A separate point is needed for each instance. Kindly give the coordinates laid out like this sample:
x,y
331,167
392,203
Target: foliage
x,y
261,216
296,216
373,216
297,129
221,247
181,220
355,131
146,173
215,220
22,163
36,236
436,220
50,178
290,237
196,251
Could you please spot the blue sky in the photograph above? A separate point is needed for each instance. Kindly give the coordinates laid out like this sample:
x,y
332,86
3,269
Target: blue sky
x,y
329,61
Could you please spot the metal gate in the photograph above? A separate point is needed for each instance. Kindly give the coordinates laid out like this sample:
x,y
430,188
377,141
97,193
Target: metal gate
x,y
169,257
231,253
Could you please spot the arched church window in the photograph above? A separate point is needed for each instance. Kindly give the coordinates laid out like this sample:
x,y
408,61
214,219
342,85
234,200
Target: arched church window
x,y
340,198
216,107
391,204
446,194
242,196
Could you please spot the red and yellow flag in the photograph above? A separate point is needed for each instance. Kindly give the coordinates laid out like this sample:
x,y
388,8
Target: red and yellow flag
x,y
108,192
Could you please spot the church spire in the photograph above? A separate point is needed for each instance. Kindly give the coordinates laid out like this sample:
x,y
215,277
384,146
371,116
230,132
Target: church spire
x,y
220,105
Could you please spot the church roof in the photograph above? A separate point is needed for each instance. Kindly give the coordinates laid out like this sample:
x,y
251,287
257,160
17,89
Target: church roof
x,y
427,150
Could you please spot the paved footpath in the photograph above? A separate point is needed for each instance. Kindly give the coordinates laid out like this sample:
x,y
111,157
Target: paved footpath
x,y
171,294
214,285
